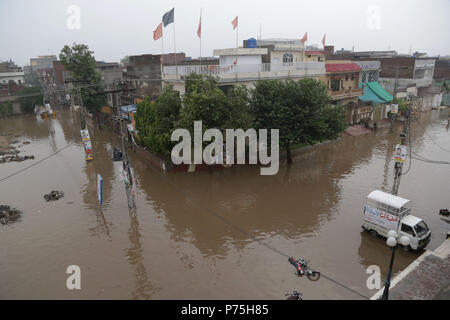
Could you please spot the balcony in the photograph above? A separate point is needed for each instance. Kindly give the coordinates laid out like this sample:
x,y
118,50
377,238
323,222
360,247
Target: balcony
x,y
343,94
247,72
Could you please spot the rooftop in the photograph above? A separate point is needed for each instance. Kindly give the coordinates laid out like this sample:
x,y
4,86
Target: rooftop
x,y
342,67
240,51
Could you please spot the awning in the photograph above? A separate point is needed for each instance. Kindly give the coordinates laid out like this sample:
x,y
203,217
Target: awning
x,y
374,92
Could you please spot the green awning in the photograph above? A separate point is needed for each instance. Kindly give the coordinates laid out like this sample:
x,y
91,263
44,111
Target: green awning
x,y
374,92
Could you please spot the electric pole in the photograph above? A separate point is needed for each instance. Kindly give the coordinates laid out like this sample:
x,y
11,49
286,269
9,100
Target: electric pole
x,y
125,156
394,117
399,165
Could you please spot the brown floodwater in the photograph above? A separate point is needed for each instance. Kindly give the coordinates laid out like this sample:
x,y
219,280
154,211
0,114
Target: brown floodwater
x,y
202,235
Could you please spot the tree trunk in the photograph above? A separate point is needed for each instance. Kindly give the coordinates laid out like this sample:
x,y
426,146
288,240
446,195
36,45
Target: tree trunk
x,y
288,153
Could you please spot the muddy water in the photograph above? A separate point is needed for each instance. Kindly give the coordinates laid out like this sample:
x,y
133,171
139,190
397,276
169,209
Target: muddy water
x,y
199,235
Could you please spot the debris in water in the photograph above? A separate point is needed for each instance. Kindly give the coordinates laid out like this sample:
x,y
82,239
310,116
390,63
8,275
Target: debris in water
x,y
8,153
54,195
15,158
295,295
26,142
8,215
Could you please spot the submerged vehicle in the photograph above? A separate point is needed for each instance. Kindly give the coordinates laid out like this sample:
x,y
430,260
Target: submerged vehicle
x,y
384,212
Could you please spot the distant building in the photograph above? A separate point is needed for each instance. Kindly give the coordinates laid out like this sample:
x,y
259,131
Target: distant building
x,y
256,60
343,82
11,73
145,72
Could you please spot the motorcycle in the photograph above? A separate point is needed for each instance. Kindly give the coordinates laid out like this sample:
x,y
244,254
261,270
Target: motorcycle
x,y
302,269
295,295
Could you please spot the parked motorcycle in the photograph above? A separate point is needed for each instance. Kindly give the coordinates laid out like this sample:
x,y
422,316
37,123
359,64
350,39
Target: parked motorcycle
x,y
302,269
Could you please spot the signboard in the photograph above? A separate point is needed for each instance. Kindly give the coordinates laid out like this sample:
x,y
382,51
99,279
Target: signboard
x,y
100,189
381,218
400,153
87,144
394,108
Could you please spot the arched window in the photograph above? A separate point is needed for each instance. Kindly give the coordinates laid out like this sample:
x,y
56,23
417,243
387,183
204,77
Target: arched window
x,y
288,58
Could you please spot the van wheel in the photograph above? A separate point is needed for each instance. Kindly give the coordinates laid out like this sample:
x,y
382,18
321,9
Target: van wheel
x,y
406,248
374,233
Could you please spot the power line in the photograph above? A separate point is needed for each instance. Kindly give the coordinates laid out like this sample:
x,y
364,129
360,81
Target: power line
x,y
431,138
268,246
38,162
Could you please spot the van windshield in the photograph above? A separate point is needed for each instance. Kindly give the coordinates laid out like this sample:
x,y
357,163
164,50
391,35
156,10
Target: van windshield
x,y
421,228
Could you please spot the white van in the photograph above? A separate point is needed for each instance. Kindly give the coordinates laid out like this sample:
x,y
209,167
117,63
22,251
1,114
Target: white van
x,y
384,212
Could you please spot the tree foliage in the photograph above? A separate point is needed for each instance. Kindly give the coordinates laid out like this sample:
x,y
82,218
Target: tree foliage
x,y
6,109
31,97
79,60
299,109
205,101
156,120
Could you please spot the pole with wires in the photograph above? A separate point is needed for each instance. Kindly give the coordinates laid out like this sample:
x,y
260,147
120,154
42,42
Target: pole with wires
x,y
399,165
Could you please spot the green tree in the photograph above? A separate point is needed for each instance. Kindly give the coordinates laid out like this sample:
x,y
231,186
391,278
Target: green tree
x,y
79,60
31,97
156,120
205,101
299,109
403,106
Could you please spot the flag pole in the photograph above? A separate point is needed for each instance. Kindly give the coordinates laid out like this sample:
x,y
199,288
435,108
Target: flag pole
x,y
237,45
200,38
175,43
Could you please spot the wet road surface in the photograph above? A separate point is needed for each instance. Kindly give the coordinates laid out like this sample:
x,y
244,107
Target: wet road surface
x,y
219,235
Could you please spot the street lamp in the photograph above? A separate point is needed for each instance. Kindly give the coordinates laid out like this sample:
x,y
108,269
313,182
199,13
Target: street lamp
x,y
392,241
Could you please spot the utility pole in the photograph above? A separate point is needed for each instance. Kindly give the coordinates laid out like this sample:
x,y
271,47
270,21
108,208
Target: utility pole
x,y
125,156
399,165
394,117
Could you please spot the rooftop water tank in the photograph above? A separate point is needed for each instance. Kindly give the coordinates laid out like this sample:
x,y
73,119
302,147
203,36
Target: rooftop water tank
x,y
252,43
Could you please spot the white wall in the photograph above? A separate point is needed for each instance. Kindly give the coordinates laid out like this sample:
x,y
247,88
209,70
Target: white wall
x,y
17,77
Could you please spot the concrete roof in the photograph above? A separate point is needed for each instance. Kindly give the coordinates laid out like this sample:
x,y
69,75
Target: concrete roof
x,y
240,51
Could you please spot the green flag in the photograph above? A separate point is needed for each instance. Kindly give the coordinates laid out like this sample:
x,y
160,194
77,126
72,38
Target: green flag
x,y
168,17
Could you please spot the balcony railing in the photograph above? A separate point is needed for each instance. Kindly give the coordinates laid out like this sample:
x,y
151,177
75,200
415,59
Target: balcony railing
x,y
264,70
347,93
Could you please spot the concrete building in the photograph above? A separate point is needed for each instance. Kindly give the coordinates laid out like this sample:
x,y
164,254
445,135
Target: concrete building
x,y
343,82
370,71
11,73
42,62
145,72
268,59
110,72
441,79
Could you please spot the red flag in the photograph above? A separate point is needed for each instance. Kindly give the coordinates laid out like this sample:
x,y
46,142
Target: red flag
x,y
158,33
305,38
323,40
199,30
235,23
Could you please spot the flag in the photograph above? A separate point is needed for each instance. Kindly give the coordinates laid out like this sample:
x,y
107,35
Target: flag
x,y
324,39
305,38
158,33
199,30
235,23
168,17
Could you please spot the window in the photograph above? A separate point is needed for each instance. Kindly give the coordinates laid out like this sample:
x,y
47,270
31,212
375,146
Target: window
x,y
335,85
287,58
421,228
408,230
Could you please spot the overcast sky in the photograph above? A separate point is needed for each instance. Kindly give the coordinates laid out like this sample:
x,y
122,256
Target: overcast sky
x,y
116,28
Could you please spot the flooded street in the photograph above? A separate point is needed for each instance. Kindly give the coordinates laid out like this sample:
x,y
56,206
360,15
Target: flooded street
x,y
208,235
